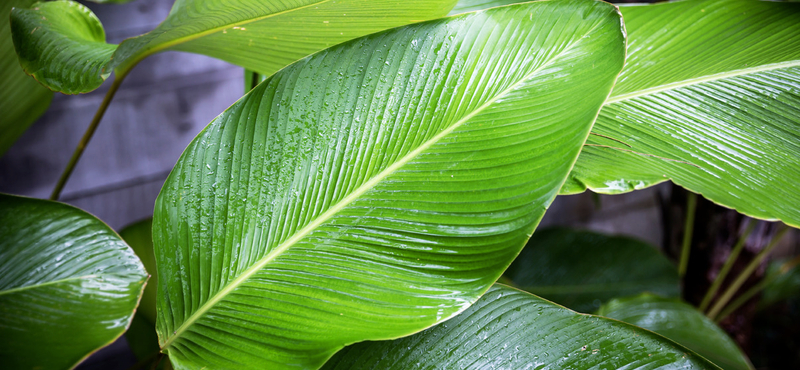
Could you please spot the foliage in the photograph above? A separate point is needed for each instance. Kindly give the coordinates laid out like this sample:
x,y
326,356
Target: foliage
x,y
377,183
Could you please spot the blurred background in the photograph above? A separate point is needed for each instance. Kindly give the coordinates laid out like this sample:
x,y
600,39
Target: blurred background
x,y
170,97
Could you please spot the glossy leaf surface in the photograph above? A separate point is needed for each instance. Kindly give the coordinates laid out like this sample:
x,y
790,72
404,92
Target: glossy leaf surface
x,y
63,45
510,329
68,284
582,269
682,323
464,6
714,83
22,100
378,187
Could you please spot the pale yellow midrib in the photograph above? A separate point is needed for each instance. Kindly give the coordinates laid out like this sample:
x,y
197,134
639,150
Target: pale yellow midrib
x,y
699,80
349,199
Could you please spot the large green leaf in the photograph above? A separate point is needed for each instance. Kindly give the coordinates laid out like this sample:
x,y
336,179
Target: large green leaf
x,y
582,269
682,323
713,86
68,284
510,329
64,42
22,100
378,187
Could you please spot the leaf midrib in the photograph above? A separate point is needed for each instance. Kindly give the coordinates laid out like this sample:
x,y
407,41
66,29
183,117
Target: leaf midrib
x,y
319,220
701,79
53,282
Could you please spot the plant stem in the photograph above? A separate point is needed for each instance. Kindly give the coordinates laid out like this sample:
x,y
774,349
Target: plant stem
x,y
723,272
738,302
736,284
688,229
76,155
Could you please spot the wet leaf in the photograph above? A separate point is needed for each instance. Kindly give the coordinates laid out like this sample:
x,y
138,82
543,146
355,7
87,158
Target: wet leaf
x,y
378,187
682,323
711,93
510,329
68,284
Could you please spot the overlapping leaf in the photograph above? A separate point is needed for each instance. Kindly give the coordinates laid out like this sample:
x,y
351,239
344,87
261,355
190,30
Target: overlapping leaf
x,y
682,323
713,86
582,269
22,100
510,329
56,39
68,284
378,187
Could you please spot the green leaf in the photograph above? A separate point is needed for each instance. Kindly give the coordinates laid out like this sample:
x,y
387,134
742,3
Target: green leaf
x,y
68,284
510,329
713,86
258,35
782,282
62,45
378,187
22,100
582,269
141,337
464,6
139,237
682,323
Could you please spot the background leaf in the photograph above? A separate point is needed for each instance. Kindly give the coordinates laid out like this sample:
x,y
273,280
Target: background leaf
x,y
510,329
22,100
377,187
68,284
682,323
715,83
139,237
55,40
582,269
782,281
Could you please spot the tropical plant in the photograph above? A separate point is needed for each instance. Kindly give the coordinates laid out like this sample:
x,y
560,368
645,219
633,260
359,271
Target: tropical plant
x,y
357,207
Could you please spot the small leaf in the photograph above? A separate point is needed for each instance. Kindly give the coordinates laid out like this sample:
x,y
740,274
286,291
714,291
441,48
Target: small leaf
x,y
682,323
510,329
62,44
68,284
378,187
582,269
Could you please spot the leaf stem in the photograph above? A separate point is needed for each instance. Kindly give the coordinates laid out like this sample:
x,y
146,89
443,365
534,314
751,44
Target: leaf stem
x,y
251,79
723,272
76,155
688,230
786,267
734,287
